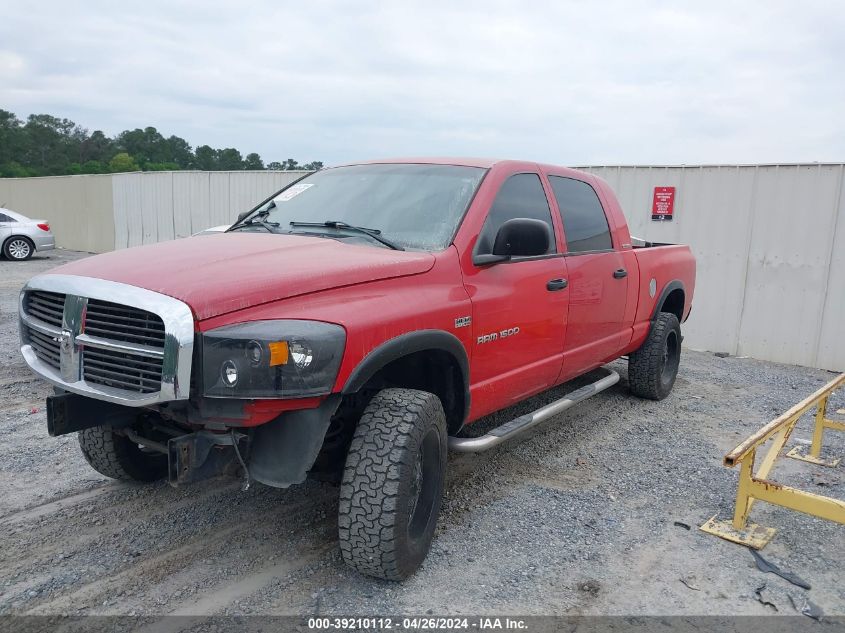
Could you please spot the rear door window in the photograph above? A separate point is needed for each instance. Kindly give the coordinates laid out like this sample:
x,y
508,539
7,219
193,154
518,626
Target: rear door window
x,y
584,221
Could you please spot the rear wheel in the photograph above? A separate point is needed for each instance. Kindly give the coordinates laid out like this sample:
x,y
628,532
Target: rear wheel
x,y
652,369
393,483
18,248
118,457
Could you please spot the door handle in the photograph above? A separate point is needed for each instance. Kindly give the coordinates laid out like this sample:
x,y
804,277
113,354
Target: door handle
x,y
620,274
556,284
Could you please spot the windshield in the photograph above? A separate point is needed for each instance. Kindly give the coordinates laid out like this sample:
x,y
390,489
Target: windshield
x,y
415,206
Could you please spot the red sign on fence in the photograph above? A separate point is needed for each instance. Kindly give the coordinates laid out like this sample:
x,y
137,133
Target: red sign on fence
x,y
663,206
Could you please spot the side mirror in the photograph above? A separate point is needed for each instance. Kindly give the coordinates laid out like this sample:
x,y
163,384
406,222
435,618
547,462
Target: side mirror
x,y
522,237
518,237
242,216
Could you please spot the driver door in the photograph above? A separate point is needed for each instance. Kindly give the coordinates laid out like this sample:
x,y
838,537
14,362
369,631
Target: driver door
x,y
519,307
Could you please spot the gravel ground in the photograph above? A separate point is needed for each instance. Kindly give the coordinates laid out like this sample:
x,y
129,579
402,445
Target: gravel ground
x,y
578,518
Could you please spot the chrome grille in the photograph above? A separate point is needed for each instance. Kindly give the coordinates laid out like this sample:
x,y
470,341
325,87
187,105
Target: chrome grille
x,y
107,340
47,306
123,323
121,370
46,347
136,370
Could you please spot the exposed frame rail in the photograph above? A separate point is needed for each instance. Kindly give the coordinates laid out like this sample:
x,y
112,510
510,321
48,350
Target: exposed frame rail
x,y
755,486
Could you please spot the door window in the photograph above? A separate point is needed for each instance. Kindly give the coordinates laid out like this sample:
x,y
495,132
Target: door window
x,y
584,221
521,196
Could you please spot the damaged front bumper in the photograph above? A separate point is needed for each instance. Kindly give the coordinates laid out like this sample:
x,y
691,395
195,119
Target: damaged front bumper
x,y
278,453
203,455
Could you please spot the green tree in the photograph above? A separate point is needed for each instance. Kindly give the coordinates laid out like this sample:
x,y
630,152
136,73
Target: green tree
x,y
12,137
49,145
123,162
94,167
230,159
161,167
97,147
205,158
52,143
313,166
147,145
253,161
180,152
14,169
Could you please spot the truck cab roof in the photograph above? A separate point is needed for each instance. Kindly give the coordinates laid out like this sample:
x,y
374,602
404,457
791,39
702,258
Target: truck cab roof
x,y
484,163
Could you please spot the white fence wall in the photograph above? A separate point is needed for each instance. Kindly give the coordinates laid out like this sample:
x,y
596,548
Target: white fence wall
x,y
154,206
770,245
78,208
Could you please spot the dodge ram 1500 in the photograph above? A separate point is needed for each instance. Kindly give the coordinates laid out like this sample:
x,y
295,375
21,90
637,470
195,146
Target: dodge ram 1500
x,y
350,327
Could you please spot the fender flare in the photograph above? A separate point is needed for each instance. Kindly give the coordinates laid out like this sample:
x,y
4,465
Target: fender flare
x,y
664,294
403,345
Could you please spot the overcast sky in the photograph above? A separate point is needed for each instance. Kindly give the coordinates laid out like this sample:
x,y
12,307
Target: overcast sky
x,y
570,83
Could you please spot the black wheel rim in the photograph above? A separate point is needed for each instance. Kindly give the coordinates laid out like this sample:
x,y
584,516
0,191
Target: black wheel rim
x,y
671,358
425,484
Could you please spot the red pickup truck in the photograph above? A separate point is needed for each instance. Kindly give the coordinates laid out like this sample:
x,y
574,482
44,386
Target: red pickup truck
x,y
350,327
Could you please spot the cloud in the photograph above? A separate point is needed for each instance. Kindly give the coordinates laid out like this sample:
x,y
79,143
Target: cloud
x,y
564,82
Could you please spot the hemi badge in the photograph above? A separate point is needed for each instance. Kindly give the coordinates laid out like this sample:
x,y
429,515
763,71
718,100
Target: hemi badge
x,y
462,322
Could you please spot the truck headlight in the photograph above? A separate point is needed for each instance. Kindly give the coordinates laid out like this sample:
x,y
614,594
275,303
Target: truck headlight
x,y
286,358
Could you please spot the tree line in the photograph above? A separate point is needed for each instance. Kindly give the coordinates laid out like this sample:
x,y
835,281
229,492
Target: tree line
x,y
45,145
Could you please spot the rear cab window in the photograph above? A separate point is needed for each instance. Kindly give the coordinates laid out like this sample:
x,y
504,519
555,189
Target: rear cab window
x,y
584,221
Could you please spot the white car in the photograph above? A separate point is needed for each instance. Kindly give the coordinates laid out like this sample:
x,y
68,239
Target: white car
x,y
212,230
21,237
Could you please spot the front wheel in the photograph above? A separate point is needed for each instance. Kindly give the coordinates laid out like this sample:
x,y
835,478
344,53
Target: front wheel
x,y
652,369
393,483
116,456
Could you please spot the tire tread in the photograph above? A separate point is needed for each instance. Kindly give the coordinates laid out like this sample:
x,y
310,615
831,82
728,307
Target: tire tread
x,y
390,428
111,455
644,365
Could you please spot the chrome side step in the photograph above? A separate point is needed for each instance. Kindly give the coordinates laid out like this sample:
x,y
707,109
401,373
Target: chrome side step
x,y
519,425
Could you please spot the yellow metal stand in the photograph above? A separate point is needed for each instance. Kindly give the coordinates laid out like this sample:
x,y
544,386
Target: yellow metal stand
x,y
753,486
753,535
822,423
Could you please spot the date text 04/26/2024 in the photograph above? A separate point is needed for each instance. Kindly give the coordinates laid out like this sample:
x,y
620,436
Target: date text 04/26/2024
x,y
417,623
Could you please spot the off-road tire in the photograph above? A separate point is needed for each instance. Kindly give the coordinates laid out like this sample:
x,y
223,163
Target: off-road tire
x,y
652,369
118,457
393,484
11,254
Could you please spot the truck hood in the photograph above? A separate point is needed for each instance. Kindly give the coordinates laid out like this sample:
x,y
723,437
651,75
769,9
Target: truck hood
x,y
217,274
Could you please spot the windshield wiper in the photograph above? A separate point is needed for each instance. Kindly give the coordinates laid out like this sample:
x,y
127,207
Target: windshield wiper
x,y
336,224
272,227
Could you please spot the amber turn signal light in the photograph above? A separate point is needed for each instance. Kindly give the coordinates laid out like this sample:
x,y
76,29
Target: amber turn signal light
x,y
278,353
